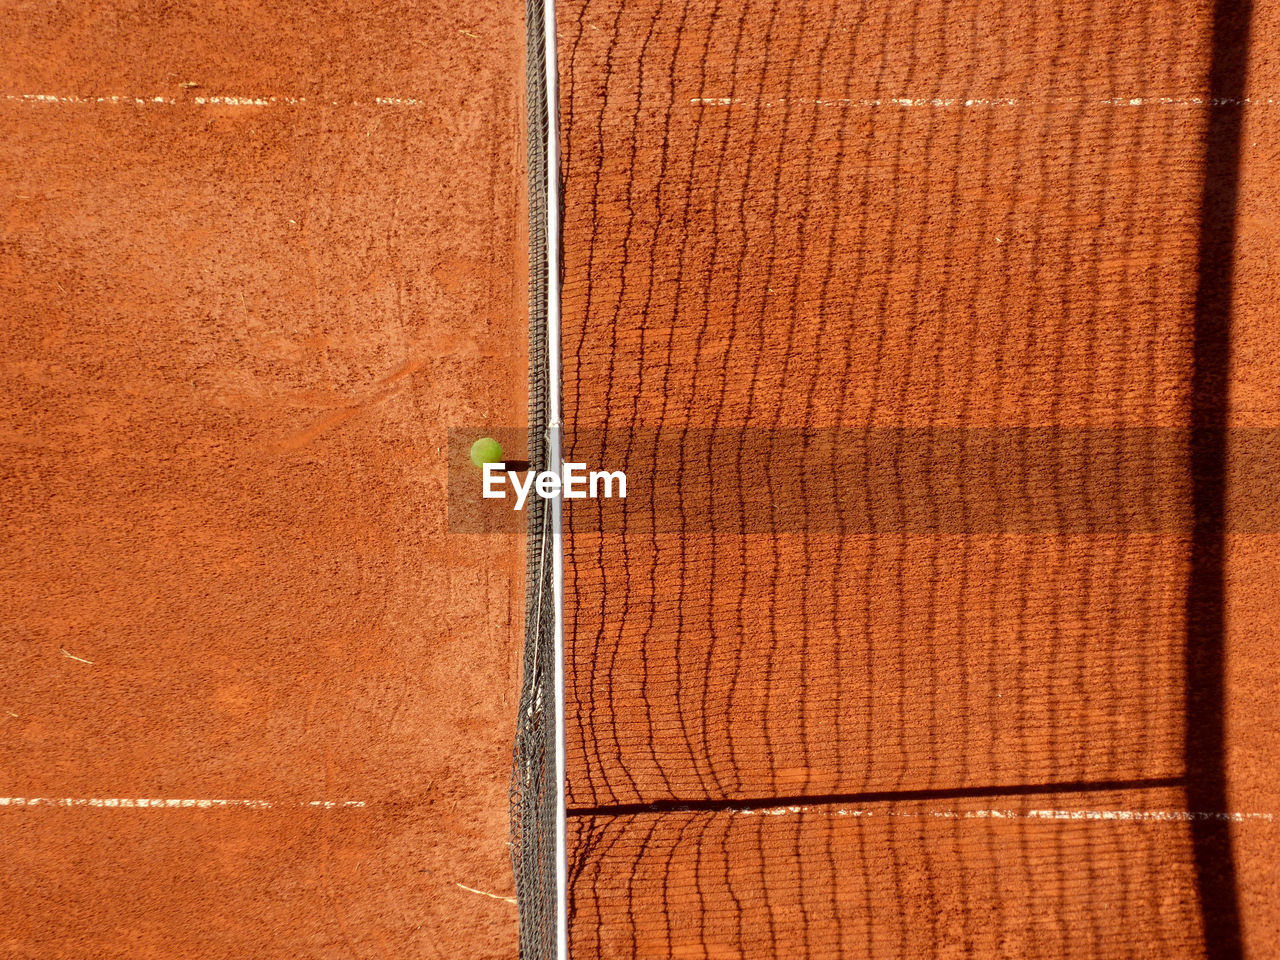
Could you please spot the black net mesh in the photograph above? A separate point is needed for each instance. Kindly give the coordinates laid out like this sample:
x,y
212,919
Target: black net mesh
x,y
533,793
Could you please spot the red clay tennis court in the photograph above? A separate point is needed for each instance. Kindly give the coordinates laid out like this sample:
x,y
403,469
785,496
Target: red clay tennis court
x,y
255,700
937,340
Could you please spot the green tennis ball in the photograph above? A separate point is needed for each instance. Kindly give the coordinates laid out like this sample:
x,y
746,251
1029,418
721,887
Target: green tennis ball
x,y
486,450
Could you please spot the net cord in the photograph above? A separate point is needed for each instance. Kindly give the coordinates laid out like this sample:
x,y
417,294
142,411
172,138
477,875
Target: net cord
x,y
554,459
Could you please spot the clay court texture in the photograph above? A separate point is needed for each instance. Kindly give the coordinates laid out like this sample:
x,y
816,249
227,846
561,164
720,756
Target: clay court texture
x,y
794,737
256,702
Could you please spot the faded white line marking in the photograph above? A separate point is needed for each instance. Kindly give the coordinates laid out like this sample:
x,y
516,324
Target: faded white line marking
x,y
492,896
944,102
209,101
1158,816
145,802
1145,815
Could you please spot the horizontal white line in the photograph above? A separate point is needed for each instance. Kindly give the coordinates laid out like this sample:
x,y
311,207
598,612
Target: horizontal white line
x,y
1159,816
144,802
211,101
987,101
485,893
1141,815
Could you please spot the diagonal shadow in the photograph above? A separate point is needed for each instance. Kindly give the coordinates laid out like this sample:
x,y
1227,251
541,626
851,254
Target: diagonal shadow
x,y
1205,659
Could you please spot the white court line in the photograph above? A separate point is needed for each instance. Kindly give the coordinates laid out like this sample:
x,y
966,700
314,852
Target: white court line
x,y
1140,816
48,98
145,802
485,893
944,102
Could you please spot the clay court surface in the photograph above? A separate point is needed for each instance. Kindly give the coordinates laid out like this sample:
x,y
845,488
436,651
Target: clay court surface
x,y
240,317
791,739
258,701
